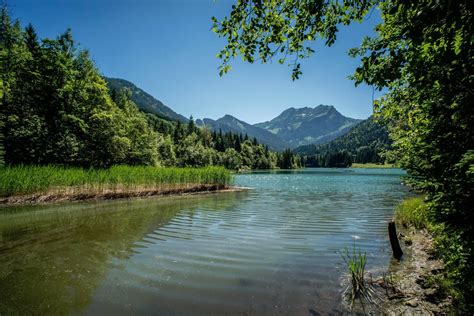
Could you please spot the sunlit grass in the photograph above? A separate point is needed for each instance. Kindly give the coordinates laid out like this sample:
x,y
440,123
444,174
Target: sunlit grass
x,y
373,165
24,180
412,212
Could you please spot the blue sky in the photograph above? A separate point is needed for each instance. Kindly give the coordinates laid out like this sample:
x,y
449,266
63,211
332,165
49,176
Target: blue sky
x,y
167,49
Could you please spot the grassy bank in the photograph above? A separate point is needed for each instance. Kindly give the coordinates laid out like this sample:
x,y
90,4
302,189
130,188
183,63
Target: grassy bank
x,y
414,213
60,181
372,165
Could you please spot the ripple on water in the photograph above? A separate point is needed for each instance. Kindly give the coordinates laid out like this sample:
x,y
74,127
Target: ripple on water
x,y
274,249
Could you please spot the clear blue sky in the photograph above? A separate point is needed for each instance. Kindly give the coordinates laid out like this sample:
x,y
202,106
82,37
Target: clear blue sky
x,y
166,48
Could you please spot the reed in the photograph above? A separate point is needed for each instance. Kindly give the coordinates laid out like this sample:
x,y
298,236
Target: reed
x,y
27,180
355,261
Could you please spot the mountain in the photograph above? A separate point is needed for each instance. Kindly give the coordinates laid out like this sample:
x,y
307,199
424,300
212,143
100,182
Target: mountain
x,y
307,125
229,123
291,129
145,101
364,142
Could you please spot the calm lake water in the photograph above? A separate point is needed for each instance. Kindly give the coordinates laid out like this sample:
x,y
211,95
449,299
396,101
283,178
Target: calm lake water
x,y
272,250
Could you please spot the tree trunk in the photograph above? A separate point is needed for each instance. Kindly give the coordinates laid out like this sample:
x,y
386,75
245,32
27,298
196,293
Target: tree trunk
x,y
392,233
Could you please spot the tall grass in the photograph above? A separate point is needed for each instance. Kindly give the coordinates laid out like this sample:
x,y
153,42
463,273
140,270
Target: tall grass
x,y
412,212
24,180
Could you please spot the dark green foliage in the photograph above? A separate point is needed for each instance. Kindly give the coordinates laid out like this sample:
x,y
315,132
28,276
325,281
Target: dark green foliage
x,y
334,159
191,126
367,142
288,160
423,54
189,145
57,108
160,125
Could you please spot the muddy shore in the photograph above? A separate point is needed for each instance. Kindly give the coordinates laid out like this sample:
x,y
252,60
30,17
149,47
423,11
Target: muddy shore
x,y
112,194
413,290
409,286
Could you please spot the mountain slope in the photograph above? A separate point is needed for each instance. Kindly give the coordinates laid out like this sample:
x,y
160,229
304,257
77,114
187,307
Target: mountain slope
x,y
307,125
364,143
145,101
229,123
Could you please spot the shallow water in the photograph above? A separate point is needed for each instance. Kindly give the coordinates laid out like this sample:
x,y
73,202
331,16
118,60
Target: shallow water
x,y
272,250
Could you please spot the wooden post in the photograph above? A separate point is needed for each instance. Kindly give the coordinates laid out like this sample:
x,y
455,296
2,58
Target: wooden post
x,y
392,234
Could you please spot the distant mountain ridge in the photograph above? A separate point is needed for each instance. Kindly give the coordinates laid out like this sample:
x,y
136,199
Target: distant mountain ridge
x,y
293,128
144,100
304,126
228,123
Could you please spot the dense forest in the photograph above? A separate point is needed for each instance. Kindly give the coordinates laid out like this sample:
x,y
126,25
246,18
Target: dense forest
x,y
57,109
367,142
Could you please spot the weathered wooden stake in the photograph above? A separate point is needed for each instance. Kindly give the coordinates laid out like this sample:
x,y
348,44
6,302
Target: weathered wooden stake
x,y
392,234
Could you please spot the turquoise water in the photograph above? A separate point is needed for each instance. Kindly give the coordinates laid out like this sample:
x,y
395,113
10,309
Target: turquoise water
x,y
274,249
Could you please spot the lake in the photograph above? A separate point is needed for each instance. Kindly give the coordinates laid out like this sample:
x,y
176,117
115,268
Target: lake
x,y
274,249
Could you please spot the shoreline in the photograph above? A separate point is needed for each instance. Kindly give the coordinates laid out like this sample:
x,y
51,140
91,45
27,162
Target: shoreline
x,y
372,166
409,286
90,195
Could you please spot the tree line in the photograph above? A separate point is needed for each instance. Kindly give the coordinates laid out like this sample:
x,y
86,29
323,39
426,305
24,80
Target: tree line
x,y
338,159
367,142
57,109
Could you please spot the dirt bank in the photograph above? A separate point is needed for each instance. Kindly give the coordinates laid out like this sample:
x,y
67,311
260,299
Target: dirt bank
x,y
413,290
409,286
82,194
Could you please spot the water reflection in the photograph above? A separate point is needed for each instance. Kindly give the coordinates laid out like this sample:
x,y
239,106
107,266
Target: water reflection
x,y
52,258
271,250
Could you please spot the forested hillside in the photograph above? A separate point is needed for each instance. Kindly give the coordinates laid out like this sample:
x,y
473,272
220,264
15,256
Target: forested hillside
x,y
57,109
365,143
143,100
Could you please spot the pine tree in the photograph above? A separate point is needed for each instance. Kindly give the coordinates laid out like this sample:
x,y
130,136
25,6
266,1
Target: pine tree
x,y
191,125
